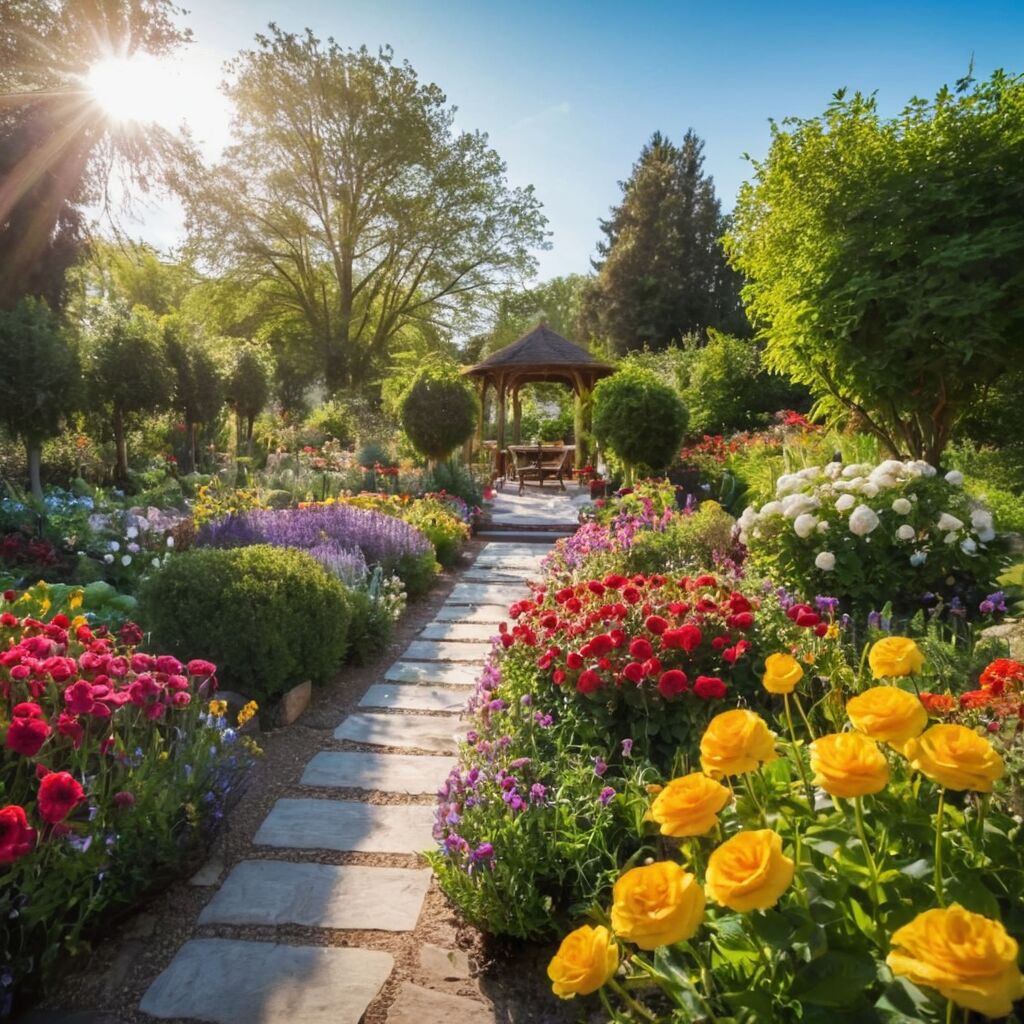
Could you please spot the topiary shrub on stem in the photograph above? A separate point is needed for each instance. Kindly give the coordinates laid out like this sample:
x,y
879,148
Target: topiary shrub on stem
x,y
438,410
640,419
270,618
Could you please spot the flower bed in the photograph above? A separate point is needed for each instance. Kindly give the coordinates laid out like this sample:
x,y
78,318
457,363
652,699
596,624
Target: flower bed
x,y
115,767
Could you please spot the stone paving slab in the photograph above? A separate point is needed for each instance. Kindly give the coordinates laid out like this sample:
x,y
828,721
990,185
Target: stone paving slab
x,y
431,672
460,631
230,981
490,613
486,593
417,1005
411,697
347,825
415,732
385,773
437,650
520,579
276,892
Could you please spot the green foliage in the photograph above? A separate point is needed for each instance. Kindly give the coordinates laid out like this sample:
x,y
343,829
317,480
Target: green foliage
x,y
269,618
688,542
880,252
439,410
332,419
453,478
661,270
639,418
247,388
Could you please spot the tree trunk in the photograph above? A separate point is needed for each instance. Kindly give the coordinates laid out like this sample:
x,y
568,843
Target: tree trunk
x,y
33,449
121,445
248,435
193,429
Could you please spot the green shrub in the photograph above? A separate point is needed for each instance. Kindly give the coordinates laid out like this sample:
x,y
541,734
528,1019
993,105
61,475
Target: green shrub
x,y
438,411
453,478
269,618
687,542
278,499
639,418
332,419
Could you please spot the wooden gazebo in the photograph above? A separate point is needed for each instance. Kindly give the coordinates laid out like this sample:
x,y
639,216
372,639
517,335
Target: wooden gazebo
x,y
540,356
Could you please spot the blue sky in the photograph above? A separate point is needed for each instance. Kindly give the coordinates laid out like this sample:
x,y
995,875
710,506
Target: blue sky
x,y
569,91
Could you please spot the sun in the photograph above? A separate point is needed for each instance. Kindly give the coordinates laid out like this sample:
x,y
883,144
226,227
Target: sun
x,y
135,88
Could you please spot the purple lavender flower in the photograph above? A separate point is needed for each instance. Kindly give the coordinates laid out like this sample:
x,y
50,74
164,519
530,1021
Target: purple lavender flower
x,y
600,767
606,794
826,604
993,603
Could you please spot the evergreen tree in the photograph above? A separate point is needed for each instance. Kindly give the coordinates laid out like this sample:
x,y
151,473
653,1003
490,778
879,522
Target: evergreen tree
x,y
661,271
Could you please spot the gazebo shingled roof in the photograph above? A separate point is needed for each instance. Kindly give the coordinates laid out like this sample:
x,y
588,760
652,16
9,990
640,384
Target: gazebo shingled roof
x,y
539,356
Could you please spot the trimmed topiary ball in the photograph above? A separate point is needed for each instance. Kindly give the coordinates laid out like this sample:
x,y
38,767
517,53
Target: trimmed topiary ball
x,y
438,411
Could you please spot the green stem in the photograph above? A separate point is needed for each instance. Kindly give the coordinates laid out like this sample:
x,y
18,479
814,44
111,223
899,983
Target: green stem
x,y
635,1006
705,977
949,1011
938,847
858,812
982,814
800,708
748,782
808,788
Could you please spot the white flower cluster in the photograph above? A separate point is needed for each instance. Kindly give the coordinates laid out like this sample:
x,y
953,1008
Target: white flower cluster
x,y
854,496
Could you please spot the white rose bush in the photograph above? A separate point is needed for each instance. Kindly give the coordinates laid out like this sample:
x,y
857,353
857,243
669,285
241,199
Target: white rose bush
x,y
899,529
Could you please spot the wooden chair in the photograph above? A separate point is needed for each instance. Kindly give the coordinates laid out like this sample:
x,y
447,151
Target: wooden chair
x,y
553,464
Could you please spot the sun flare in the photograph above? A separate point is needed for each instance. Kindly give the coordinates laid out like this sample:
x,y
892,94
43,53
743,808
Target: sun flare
x,y
140,88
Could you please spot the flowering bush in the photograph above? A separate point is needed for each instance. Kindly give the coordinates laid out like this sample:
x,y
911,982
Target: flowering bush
x,y
897,529
114,767
382,539
857,875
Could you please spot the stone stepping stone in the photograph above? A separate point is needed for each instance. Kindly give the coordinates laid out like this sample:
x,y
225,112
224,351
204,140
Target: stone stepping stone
x,y
459,631
490,576
486,593
489,613
276,892
414,732
437,650
497,547
410,697
431,672
416,1004
231,981
347,825
384,773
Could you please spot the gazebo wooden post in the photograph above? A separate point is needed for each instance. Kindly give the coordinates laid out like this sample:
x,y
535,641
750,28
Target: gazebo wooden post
x,y
500,386
517,416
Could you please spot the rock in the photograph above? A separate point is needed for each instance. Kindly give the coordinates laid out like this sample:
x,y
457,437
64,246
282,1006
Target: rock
x,y
1012,633
444,964
294,702
417,1005
209,873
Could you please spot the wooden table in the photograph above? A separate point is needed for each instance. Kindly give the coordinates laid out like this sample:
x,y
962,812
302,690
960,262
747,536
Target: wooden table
x,y
545,462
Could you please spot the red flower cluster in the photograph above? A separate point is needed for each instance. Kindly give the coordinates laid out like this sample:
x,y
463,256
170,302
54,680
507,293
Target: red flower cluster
x,y
1000,695
805,616
643,632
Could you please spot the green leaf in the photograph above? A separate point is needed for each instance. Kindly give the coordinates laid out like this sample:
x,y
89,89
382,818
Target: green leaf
x,y
836,979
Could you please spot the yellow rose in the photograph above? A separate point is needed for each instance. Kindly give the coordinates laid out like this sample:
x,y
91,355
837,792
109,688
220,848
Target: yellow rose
x,y
955,757
781,673
749,871
895,656
585,960
657,905
848,764
689,806
967,957
888,714
736,742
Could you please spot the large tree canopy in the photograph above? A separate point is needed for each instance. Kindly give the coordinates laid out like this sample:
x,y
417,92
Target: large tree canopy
x,y
661,272
885,258
350,193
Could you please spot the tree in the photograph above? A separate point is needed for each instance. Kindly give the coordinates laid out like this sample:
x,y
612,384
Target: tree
x,y
57,147
439,410
661,271
885,257
126,371
248,390
641,419
38,380
349,192
198,391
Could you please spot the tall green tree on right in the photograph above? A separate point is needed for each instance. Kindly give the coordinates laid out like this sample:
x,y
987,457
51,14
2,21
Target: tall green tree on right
x,y
661,270
885,257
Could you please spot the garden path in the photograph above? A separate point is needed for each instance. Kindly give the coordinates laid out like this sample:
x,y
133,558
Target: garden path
x,y
363,794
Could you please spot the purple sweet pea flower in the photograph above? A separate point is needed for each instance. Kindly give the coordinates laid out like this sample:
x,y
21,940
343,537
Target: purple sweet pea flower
x,y
600,767
627,747
606,794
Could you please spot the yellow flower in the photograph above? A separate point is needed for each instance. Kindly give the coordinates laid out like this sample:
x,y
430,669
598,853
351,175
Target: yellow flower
x,y
78,621
895,656
887,714
162,756
585,960
781,673
955,757
970,959
247,712
75,600
749,871
218,708
689,806
657,905
848,764
736,742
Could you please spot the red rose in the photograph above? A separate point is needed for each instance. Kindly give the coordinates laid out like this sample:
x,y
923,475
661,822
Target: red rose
x,y
588,681
16,838
574,660
652,666
807,619
558,677
656,624
630,595
27,710
601,644
596,588
742,620
634,672
59,793
687,637
68,725
640,649
613,581
705,581
709,687
165,663
181,699
821,629
26,735
672,682
563,595
738,603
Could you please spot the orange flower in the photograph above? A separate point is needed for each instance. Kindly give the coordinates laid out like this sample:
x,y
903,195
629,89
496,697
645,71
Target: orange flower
x,y
1002,673
975,699
938,703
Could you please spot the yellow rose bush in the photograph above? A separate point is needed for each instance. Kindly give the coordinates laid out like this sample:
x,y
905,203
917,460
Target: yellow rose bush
x,y
585,960
889,892
895,656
